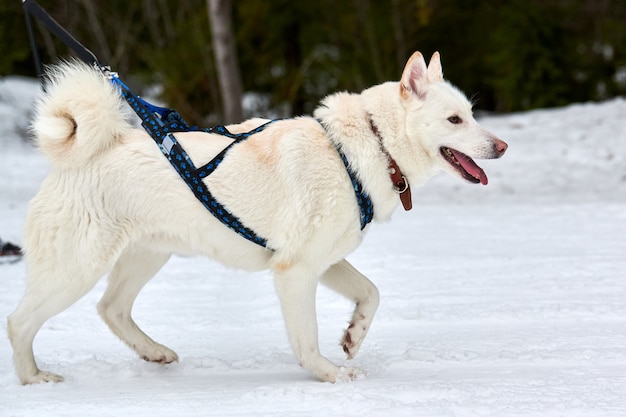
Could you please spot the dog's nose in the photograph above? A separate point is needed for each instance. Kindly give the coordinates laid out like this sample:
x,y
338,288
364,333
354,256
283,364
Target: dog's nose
x,y
501,147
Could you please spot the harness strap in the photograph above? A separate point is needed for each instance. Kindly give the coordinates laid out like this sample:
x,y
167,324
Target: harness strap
x,y
209,167
366,208
161,123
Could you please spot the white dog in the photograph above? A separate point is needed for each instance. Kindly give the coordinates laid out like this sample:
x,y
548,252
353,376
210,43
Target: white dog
x,y
113,204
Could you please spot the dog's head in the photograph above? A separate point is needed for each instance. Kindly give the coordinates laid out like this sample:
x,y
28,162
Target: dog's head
x,y
440,121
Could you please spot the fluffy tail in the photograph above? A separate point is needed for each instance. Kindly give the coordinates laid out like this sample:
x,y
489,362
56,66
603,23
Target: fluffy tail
x,y
80,115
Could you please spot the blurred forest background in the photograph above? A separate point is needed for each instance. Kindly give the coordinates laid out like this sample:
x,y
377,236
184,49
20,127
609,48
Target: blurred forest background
x,y
507,55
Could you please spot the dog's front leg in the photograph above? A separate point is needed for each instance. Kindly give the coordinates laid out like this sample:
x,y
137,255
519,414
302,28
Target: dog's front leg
x,y
346,280
296,288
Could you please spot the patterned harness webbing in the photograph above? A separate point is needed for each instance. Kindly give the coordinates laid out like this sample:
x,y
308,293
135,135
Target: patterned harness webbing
x,y
161,123
364,201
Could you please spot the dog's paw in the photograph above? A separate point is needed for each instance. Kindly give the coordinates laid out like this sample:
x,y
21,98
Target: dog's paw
x,y
348,374
41,377
160,354
352,338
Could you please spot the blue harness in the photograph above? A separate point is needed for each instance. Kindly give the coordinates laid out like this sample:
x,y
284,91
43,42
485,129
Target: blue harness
x,y
161,123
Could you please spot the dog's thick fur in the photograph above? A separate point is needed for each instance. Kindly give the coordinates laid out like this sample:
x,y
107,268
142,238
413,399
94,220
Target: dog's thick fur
x,y
113,204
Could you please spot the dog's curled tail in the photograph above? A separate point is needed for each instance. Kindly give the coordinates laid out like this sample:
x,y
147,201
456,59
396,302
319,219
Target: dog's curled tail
x,y
80,115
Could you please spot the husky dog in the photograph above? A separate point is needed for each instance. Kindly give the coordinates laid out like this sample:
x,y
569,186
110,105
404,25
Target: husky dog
x,y
112,204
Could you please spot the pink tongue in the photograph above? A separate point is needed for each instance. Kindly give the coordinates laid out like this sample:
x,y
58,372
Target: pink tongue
x,y
470,166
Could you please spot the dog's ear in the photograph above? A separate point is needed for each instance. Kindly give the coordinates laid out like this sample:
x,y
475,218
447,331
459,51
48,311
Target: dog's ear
x,y
435,73
414,77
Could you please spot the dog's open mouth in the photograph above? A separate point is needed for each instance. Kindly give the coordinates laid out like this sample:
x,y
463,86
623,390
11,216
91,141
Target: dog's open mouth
x,y
465,165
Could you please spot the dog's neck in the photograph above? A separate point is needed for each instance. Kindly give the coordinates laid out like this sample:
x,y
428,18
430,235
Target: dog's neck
x,y
346,121
399,181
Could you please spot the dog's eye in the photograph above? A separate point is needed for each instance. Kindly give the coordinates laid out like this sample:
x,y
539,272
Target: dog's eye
x,y
455,120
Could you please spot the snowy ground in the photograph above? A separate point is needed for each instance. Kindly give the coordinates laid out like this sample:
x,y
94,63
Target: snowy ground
x,y
505,300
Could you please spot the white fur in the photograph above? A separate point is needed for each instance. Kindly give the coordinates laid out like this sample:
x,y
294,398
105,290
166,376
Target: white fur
x,y
113,205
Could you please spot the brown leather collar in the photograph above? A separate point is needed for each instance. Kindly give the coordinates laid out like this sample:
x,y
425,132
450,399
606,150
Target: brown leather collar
x,y
399,181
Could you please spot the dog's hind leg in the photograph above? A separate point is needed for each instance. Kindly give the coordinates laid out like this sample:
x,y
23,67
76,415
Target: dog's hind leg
x,y
346,280
135,267
51,288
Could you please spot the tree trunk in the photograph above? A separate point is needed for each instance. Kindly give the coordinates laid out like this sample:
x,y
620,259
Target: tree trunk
x,y
228,73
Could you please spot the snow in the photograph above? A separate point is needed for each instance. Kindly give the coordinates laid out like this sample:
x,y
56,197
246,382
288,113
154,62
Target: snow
x,y
504,300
